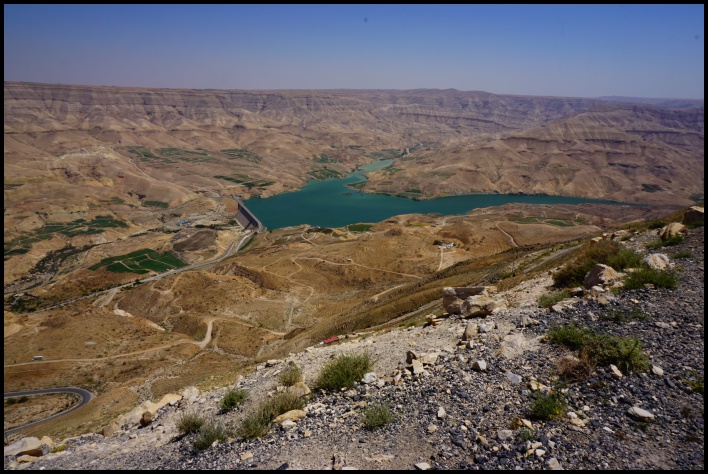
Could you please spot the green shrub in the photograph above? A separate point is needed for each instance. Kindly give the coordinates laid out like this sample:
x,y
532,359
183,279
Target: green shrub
x,y
376,416
656,224
232,399
547,406
58,448
549,299
209,433
190,422
657,244
609,252
525,434
602,349
659,278
682,254
290,375
621,316
257,422
343,371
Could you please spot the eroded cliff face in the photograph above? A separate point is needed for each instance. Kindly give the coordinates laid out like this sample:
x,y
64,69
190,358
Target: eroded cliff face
x,y
456,142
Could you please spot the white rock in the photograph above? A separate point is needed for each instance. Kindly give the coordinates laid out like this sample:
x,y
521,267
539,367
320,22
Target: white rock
x,y
616,373
554,465
422,466
656,370
370,377
540,452
441,412
640,413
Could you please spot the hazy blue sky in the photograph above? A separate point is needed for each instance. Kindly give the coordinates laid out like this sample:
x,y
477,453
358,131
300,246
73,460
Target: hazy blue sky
x,y
590,51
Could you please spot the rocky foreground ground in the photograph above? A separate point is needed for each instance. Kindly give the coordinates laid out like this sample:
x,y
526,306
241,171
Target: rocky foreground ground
x,y
457,413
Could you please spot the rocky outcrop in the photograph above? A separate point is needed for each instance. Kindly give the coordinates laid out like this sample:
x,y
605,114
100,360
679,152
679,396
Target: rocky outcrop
x,y
469,301
672,230
600,275
693,216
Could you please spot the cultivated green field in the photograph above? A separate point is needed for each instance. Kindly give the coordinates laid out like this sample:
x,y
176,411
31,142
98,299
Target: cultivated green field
x,y
141,261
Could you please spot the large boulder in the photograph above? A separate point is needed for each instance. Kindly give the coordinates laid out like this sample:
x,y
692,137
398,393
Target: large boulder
x,y
694,215
658,261
600,275
31,446
672,230
480,305
454,298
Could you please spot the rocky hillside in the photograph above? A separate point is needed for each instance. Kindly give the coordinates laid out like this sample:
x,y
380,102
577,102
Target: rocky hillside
x,y
480,392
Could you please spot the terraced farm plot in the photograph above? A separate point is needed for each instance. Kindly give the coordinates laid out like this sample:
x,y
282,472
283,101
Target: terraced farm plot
x,y
140,262
242,154
161,204
22,245
324,158
185,155
247,181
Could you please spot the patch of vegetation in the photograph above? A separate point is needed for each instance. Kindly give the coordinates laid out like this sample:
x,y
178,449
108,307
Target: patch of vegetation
x,y
325,173
573,369
343,371
185,155
360,227
146,155
696,385
377,415
140,262
548,406
608,252
257,423
323,158
323,230
525,434
209,433
621,316
242,154
246,181
232,399
659,278
602,349
58,448
657,244
290,375
549,299
190,422
682,254
651,188
656,224
160,204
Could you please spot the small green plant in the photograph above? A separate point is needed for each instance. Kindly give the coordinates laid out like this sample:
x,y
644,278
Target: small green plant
x,y
547,406
190,422
622,316
656,224
570,336
659,278
549,299
525,434
682,254
377,415
657,244
609,252
290,375
208,434
257,422
232,399
343,371
696,385
58,448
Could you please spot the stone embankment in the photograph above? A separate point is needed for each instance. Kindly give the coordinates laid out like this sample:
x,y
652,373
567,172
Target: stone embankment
x,y
461,390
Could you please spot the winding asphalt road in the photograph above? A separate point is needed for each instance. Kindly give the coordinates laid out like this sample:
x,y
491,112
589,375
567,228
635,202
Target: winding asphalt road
x,y
85,395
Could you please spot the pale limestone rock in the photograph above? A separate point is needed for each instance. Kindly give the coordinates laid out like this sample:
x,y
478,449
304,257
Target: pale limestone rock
x,y
504,434
272,362
470,331
479,305
601,274
656,370
429,358
441,412
299,389
658,261
479,365
422,466
288,425
369,378
246,456
513,378
554,465
25,458
540,452
640,413
616,373
292,415
417,367
31,446
672,230
432,429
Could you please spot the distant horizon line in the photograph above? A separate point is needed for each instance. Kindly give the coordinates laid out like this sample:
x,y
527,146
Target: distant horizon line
x,y
449,89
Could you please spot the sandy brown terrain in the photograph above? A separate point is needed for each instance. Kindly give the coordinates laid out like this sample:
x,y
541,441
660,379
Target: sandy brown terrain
x,y
94,173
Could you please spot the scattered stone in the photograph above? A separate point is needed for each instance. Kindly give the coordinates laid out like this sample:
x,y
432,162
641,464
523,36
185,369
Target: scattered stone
x,y
656,370
479,305
540,452
503,435
694,215
272,362
292,415
554,465
246,456
672,230
25,458
616,373
369,378
299,389
479,365
147,418
470,331
432,429
430,358
441,413
31,446
513,378
662,325
288,425
640,413
417,367
422,466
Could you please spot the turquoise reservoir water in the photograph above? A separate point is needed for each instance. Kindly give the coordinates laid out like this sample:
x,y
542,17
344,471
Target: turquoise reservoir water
x,y
330,203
